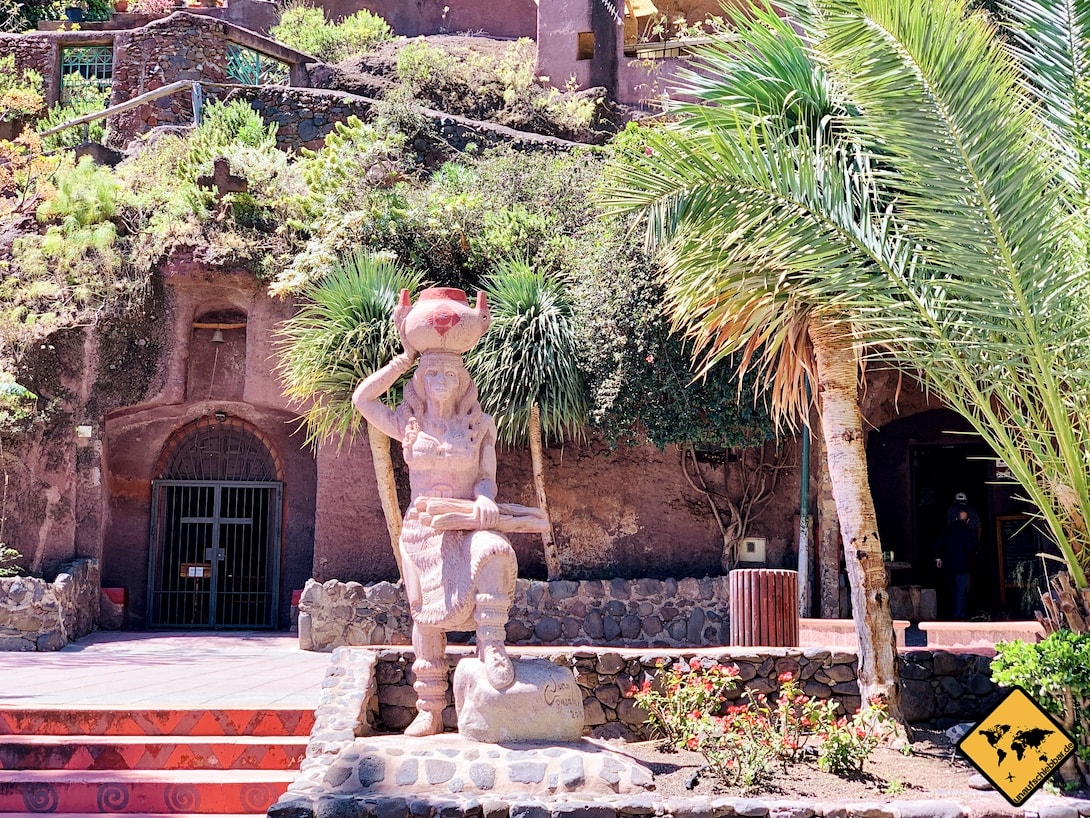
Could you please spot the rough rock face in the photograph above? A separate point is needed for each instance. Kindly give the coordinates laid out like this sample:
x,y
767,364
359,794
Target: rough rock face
x,y
36,615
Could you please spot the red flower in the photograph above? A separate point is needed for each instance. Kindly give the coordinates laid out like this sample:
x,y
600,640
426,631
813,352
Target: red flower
x,y
786,676
694,663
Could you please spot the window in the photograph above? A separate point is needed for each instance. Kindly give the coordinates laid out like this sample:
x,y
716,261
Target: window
x,y
87,74
249,67
586,46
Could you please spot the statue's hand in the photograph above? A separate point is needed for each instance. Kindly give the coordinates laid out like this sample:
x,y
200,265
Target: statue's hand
x,y
486,512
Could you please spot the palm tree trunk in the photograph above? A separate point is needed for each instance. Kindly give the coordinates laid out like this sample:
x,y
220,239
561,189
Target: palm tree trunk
x,y
387,488
537,459
842,427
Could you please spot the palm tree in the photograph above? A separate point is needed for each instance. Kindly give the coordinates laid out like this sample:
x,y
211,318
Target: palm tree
x,y
342,334
527,372
941,226
708,176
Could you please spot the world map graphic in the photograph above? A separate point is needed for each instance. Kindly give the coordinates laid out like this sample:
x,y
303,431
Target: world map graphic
x,y
1005,739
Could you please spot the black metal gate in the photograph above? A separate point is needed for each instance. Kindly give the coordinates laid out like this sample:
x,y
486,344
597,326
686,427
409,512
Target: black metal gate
x,y
217,561
215,533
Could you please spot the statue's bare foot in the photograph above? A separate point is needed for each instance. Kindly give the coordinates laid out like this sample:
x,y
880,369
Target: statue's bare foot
x,y
497,666
426,723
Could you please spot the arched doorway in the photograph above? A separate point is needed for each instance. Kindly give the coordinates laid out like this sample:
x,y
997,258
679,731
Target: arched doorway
x,y
215,528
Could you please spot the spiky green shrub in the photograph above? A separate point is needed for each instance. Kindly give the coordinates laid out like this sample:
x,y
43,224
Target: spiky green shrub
x,y
20,91
223,126
64,275
341,334
84,98
305,28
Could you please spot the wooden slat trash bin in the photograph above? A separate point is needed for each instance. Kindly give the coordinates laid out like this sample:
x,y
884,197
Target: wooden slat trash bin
x,y
764,607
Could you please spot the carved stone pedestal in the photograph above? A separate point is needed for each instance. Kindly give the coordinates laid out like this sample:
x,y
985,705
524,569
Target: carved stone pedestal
x,y
544,704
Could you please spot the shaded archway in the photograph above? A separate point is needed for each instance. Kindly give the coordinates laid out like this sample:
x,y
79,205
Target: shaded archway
x,y
216,528
917,464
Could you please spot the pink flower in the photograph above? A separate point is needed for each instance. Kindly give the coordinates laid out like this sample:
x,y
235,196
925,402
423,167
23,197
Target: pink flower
x,y
694,663
786,676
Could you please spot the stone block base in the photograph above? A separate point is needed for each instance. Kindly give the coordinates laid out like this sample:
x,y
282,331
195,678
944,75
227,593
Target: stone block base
x,y
544,703
451,765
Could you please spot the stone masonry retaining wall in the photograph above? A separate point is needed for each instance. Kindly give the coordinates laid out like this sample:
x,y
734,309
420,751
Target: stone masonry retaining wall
x,y
40,615
636,613
305,116
939,689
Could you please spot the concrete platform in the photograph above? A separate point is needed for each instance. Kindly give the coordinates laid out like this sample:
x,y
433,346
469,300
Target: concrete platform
x,y
163,670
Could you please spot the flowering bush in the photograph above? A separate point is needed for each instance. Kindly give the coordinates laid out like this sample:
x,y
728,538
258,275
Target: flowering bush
x,y
848,742
686,704
681,697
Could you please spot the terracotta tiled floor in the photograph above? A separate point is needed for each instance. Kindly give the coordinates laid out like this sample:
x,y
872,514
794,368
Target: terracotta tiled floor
x,y
166,669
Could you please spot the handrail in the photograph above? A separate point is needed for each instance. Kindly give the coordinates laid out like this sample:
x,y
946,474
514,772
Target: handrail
x,y
137,101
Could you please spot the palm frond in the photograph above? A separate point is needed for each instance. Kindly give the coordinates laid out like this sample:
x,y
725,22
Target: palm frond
x,y
762,71
342,333
528,356
1051,39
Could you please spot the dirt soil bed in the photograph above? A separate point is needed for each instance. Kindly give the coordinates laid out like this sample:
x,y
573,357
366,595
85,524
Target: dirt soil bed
x,y
933,770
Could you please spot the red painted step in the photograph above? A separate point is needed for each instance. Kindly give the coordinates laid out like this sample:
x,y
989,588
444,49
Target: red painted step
x,y
151,752
198,722
127,791
167,762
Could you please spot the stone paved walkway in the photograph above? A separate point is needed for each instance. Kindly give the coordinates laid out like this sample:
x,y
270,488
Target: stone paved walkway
x,y
114,669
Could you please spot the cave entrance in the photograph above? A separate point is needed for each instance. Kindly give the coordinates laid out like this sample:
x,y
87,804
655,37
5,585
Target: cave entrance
x,y
215,531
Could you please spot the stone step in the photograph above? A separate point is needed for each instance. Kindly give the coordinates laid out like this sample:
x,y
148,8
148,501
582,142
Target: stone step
x,y
169,792
163,722
53,752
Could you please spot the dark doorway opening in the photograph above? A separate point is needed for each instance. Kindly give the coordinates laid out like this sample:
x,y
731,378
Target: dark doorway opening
x,y
939,472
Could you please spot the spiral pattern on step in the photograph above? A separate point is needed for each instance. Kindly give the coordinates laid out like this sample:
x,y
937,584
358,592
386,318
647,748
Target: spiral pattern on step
x,y
182,798
257,797
112,797
40,798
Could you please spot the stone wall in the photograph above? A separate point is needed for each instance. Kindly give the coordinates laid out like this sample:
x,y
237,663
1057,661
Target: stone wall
x,y
636,613
39,615
939,689
32,52
305,116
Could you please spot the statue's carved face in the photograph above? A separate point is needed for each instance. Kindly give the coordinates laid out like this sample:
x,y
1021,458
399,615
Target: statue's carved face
x,y
442,380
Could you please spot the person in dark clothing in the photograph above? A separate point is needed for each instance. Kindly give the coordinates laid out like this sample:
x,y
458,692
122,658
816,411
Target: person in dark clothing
x,y
961,503
955,550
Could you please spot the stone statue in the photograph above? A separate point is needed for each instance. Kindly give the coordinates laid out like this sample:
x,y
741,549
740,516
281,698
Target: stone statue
x,y
459,570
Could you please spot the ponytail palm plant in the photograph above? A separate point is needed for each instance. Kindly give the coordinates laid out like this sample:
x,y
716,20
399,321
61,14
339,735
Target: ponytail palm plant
x,y
342,333
893,182
527,370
